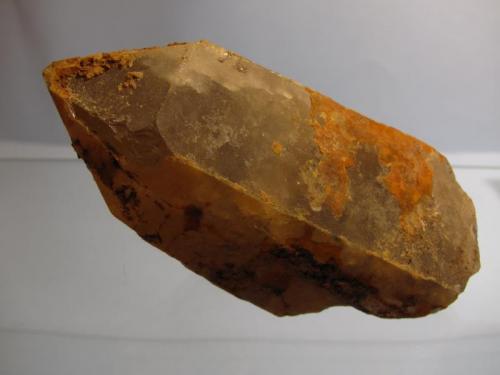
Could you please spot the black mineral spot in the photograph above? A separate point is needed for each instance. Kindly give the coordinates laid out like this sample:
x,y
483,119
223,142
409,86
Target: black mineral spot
x,y
192,217
153,238
325,274
127,196
76,143
280,252
130,175
232,274
277,290
81,151
110,147
159,205
106,172
116,164
220,274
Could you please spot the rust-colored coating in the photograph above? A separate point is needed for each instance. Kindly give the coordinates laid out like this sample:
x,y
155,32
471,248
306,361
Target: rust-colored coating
x,y
339,132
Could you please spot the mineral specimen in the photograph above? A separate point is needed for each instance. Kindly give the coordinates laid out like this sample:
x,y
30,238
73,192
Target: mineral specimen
x,y
267,188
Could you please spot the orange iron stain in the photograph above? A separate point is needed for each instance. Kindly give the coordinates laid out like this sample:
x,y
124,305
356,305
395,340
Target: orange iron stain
x,y
336,145
277,148
339,132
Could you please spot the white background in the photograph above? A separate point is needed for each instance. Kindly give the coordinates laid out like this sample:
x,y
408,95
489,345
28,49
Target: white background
x,y
81,294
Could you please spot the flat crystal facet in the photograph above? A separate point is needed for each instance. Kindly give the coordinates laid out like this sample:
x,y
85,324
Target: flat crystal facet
x,y
267,188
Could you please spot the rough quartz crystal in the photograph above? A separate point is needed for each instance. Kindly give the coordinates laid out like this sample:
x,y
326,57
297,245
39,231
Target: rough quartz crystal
x,y
267,188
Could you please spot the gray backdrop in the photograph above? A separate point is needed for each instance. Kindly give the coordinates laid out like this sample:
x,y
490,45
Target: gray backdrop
x,y
428,67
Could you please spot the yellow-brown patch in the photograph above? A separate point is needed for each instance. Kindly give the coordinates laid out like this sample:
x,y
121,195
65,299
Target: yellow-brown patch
x,y
57,74
131,80
277,148
336,145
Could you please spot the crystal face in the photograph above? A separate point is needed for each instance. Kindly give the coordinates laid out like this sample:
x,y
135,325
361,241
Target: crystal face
x,y
267,188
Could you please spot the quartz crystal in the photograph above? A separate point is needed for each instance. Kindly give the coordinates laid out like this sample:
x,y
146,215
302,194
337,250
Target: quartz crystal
x,y
267,188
